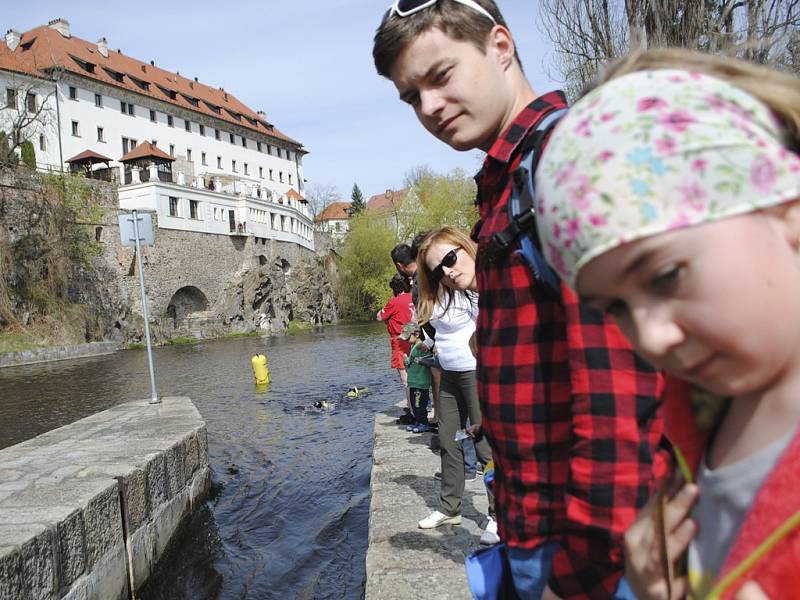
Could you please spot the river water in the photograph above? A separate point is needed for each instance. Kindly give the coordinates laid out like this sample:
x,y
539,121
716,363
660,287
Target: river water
x,y
288,512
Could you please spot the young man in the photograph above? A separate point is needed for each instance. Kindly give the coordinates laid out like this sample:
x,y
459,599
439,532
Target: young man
x,y
570,412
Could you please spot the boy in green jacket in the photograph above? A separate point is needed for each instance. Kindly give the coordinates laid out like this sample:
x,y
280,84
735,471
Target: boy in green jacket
x,y
419,377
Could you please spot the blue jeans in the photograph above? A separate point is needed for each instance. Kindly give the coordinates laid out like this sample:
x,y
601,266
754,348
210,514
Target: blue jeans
x,y
530,570
470,458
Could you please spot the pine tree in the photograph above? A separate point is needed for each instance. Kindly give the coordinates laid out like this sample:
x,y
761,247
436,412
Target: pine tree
x,y
28,154
357,197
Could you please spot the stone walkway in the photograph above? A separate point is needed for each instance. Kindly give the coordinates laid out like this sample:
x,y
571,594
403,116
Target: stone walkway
x,y
404,561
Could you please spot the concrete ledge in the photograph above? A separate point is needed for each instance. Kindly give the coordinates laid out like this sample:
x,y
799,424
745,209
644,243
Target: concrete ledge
x,y
65,495
404,561
39,355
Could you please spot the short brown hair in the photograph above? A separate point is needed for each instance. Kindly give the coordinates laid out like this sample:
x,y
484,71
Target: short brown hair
x,y
458,21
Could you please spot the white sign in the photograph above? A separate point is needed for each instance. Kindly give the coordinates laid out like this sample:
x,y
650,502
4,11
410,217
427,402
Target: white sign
x,y
127,232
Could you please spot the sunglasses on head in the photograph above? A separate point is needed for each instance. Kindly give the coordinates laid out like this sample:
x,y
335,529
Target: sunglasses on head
x,y
448,260
404,8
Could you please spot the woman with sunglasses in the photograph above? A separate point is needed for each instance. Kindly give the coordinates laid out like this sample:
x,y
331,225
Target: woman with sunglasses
x,y
448,299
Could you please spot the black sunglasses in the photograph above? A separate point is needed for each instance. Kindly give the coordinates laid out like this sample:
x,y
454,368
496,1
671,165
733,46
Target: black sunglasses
x,y
448,260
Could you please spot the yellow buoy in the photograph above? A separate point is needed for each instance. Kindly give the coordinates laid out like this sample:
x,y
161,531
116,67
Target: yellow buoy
x,y
260,369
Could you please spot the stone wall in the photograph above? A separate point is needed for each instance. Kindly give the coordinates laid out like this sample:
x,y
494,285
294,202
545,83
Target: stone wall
x,y
86,510
197,284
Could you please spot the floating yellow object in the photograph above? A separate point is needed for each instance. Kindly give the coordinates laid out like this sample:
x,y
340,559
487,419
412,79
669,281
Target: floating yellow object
x,y
357,392
260,369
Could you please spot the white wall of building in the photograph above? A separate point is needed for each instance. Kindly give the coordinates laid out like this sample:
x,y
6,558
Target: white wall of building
x,y
46,124
262,218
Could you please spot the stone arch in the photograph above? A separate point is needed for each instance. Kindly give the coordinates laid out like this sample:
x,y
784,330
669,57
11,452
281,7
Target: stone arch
x,y
187,301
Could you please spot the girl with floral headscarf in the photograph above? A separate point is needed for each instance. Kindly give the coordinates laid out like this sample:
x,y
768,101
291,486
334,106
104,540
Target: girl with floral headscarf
x,y
669,199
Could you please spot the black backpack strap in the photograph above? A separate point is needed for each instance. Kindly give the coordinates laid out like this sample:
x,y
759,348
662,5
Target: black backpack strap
x,y
522,208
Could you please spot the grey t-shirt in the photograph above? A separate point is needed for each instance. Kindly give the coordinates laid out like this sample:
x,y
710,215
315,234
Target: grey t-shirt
x,y
726,494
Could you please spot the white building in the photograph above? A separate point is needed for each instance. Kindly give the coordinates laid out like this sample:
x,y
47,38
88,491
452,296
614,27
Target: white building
x,y
231,165
335,219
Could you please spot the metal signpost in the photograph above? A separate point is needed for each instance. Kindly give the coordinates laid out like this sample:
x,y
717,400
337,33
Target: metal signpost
x,y
137,230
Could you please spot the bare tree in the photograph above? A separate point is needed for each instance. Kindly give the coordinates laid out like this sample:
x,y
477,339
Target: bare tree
x,y
26,112
320,195
588,33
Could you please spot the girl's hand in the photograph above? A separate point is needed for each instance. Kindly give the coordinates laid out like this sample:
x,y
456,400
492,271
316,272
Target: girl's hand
x,y
643,555
751,591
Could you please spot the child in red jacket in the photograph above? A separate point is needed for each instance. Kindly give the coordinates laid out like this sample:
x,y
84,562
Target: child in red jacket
x,y
397,312
669,197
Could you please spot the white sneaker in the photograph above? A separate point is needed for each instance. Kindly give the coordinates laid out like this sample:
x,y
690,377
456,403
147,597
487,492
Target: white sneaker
x,y
489,536
435,519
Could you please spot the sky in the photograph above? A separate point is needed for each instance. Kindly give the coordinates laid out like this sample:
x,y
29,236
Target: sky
x,y
306,63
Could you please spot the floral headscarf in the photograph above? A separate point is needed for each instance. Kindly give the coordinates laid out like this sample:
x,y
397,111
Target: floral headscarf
x,y
654,151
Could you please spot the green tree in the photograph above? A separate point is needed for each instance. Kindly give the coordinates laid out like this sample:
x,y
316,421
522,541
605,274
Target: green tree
x,y
7,157
357,197
365,267
28,154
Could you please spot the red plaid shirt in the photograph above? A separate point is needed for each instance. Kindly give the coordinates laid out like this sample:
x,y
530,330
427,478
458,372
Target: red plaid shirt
x,y
569,409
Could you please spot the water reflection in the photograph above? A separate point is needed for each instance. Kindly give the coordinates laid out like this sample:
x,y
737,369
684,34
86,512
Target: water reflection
x,y
289,518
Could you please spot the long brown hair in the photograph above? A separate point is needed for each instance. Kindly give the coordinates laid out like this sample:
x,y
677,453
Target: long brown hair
x,y
779,91
430,292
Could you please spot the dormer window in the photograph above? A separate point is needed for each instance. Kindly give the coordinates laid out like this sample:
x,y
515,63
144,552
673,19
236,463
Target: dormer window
x,y
212,107
190,100
86,66
142,85
115,75
172,95
235,115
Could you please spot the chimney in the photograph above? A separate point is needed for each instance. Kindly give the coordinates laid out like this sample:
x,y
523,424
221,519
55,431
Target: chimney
x,y
144,69
12,39
61,26
102,47
191,84
152,63
195,78
262,114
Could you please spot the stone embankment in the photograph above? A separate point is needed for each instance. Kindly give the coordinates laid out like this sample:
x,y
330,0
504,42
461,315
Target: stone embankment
x,y
38,355
404,561
86,510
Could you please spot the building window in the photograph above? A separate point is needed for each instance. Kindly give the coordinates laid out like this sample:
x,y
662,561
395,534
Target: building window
x,y
188,126
170,121
153,116
202,130
219,162
172,149
233,166
261,172
75,130
246,169
173,206
288,155
244,141
203,158
73,92
280,176
269,149
290,179
258,146
271,178
232,138
126,108
128,144
192,209
30,102
11,98
279,152
100,135
189,154
98,100
217,134
42,142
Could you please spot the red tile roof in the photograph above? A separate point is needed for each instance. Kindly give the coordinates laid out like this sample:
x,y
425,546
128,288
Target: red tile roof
x,y
44,49
146,150
335,211
294,195
388,200
89,156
